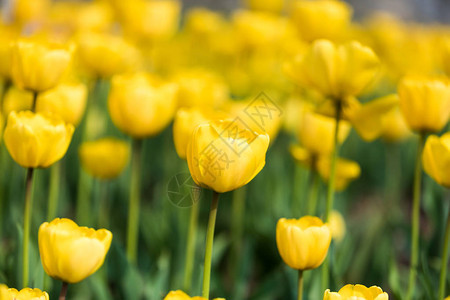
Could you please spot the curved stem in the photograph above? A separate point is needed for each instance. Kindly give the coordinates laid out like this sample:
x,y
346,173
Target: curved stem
x,y
415,219
444,260
190,244
62,295
53,195
209,245
26,226
300,284
133,211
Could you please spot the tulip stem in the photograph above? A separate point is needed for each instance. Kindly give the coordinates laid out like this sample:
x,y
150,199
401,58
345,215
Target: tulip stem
x,y
133,211
190,244
33,104
313,193
103,209
415,218
444,260
209,245
300,284
55,173
26,226
62,295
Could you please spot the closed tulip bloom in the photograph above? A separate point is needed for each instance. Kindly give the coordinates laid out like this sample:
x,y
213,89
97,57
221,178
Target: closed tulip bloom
x,y
225,155
316,132
27,11
338,71
321,19
27,294
4,293
180,295
425,103
105,158
275,6
16,99
36,140
7,37
337,225
186,120
303,243
436,158
72,253
302,156
346,171
67,100
357,291
105,55
140,105
394,127
38,66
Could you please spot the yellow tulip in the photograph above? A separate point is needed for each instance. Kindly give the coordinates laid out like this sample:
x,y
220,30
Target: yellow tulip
x,y
186,120
36,140
71,253
140,105
447,298
394,128
337,225
38,66
225,155
106,55
199,87
357,291
204,22
425,103
7,37
346,171
436,158
316,133
104,158
67,100
303,244
25,11
321,19
4,293
337,71
302,156
180,295
275,6
16,99
27,294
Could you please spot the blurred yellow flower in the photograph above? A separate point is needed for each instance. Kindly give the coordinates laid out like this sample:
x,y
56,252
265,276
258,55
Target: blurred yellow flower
x,y
16,99
425,103
26,11
316,133
275,6
141,105
104,158
337,71
180,295
198,87
105,55
7,38
225,155
436,158
357,291
27,294
394,128
186,120
337,225
71,253
204,22
326,19
38,66
36,140
303,156
303,243
67,100
4,293
346,171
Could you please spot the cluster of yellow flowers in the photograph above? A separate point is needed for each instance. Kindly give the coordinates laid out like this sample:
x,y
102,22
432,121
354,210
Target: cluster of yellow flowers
x,y
207,77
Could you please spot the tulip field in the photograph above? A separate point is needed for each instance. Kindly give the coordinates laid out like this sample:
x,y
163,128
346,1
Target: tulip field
x,y
286,149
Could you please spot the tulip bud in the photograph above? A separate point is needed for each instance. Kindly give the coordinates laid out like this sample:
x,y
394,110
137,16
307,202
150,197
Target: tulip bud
x,y
436,158
27,294
357,291
303,243
180,295
36,140
71,253
346,171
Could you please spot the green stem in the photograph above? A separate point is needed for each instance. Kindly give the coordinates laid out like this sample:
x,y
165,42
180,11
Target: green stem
x,y
209,245
190,244
62,295
103,209
33,104
415,219
133,211
300,284
313,193
444,261
26,226
53,195
83,210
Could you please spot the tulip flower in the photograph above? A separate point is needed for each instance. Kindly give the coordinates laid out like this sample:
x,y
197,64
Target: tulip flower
x,y
337,226
303,244
28,11
425,103
436,158
346,171
357,291
27,294
180,295
140,105
71,253
275,6
394,127
38,66
7,37
16,99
